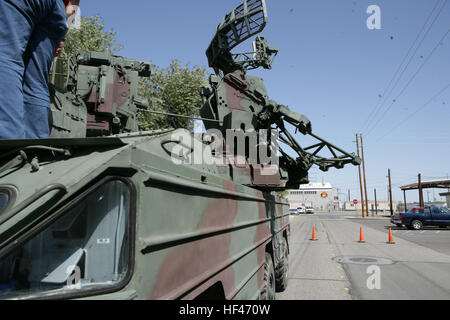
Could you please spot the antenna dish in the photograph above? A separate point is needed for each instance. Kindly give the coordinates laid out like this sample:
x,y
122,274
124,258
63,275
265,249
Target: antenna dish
x,y
247,20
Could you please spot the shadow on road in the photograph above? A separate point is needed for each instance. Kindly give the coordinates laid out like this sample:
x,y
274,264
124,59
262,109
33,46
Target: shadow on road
x,y
423,229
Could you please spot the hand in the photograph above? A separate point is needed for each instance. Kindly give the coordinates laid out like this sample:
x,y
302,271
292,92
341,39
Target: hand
x,y
59,49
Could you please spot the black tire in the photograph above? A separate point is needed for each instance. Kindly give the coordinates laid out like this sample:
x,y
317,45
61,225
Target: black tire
x,y
281,272
416,225
268,290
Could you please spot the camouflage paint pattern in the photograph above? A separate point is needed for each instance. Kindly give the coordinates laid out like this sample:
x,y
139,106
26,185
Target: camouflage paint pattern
x,y
196,230
191,232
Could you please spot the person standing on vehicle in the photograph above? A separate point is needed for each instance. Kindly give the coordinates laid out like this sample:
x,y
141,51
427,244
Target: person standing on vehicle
x,y
32,33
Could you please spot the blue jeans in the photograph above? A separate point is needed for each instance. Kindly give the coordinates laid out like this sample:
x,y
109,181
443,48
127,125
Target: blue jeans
x,y
30,30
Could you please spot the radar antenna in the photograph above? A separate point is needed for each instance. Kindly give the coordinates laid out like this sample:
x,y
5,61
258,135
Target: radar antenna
x,y
242,23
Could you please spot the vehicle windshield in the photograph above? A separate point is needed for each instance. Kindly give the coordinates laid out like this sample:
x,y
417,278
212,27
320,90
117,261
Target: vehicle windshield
x,y
444,210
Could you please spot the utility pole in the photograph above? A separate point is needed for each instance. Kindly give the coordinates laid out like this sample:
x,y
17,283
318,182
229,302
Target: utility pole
x,y
360,178
404,199
364,174
421,204
376,203
390,192
349,196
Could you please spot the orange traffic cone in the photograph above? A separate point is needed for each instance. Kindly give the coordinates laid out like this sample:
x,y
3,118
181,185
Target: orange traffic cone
x,y
361,236
314,236
391,238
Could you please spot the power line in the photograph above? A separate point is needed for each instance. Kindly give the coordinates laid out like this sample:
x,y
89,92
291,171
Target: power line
x,y
409,82
412,57
406,67
415,112
378,106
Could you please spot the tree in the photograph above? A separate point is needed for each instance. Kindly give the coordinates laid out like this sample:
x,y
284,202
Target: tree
x,y
91,36
173,90
283,194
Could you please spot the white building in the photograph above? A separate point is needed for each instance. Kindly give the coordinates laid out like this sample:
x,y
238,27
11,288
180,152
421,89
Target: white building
x,y
321,196
447,195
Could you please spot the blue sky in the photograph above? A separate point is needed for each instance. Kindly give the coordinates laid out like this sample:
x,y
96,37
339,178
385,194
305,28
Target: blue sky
x,y
331,68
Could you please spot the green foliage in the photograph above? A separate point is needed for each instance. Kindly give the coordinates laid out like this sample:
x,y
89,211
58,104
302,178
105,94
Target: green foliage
x,y
90,37
174,90
283,193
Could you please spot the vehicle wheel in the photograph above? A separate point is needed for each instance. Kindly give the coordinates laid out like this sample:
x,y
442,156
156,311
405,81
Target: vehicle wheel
x,y
268,290
417,225
281,273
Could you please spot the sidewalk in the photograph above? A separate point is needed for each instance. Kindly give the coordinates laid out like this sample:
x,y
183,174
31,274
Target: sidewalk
x,y
370,217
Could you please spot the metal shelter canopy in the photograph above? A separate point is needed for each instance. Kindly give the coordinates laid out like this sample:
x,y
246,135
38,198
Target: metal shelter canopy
x,y
444,184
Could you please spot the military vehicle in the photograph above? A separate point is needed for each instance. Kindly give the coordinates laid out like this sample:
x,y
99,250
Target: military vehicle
x,y
102,210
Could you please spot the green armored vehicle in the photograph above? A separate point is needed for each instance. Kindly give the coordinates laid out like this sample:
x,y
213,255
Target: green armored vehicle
x,y
103,210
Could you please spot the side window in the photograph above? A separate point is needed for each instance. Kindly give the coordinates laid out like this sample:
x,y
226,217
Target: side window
x,y
427,210
436,210
420,211
87,247
3,201
7,197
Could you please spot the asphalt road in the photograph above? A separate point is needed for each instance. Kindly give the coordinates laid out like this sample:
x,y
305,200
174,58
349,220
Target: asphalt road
x,y
338,267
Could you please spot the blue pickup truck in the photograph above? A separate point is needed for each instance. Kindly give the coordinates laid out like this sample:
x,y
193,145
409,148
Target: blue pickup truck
x,y
417,218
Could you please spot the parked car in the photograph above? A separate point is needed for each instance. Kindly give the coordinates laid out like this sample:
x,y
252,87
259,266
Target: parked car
x,y
293,212
309,210
417,218
301,210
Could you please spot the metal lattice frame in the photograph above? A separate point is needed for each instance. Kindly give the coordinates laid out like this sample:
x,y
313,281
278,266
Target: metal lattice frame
x,y
247,20
310,154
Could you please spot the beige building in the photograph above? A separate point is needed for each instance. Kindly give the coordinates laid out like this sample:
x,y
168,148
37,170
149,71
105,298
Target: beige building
x,y
382,206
